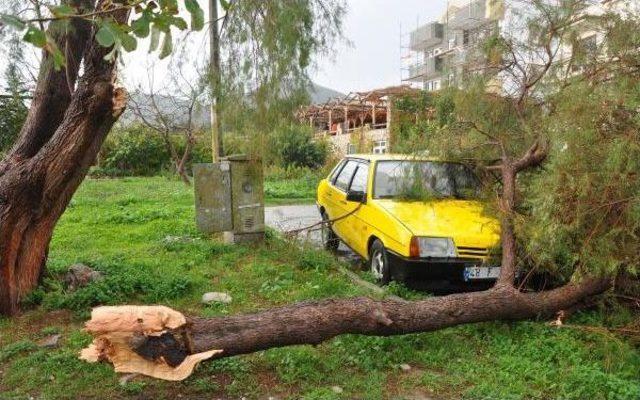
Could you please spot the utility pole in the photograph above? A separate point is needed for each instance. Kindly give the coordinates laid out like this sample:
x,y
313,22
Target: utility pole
x,y
214,80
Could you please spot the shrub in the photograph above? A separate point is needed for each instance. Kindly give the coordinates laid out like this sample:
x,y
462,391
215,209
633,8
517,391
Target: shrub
x,y
132,151
295,146
137,151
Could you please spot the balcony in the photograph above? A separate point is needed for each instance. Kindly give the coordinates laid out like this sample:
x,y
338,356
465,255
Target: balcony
x,y
431,68
426,36
469,16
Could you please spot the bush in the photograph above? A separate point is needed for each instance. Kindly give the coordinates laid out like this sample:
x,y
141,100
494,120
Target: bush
x,y
138,151
132,151
295,146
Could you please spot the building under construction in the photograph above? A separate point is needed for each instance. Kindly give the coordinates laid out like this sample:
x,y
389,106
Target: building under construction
x,y
440,52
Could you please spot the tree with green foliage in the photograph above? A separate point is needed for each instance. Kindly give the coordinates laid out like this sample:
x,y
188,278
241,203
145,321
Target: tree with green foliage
x,y
563,139
74,108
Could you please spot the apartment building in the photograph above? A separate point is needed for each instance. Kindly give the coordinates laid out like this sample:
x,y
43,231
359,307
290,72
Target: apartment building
x,y
444,50
592,39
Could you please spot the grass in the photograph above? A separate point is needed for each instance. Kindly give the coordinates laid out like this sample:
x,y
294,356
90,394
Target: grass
x,y
299,189
140,233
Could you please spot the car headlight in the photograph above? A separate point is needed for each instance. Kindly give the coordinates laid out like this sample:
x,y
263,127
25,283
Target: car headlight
x,y
432,247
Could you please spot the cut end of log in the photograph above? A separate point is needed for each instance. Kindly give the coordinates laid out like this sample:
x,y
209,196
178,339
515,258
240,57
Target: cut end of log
x,y
116,331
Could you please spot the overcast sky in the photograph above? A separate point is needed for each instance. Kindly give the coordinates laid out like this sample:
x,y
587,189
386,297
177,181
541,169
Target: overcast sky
x,y
373,27
372,61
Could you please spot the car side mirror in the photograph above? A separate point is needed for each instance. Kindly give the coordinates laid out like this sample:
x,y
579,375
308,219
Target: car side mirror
x,y
357,196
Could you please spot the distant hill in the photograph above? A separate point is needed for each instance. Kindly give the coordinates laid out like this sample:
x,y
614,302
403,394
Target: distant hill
x,y
320,94
172,106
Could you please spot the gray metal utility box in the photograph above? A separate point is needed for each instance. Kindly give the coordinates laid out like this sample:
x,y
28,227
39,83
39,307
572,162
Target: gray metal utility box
x,y
230,198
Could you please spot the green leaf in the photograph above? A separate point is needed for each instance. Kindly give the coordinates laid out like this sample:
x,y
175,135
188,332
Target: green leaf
x,y
128,42
191,5
225,4
12,20
197,14
180,23
58,58
35,36
155,39
141,26
167,46
105,36
63,10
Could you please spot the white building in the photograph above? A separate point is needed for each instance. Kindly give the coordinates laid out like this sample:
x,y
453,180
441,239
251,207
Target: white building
x,y
443,51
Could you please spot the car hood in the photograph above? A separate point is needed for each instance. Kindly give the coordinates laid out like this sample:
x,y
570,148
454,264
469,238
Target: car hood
x,y
462,220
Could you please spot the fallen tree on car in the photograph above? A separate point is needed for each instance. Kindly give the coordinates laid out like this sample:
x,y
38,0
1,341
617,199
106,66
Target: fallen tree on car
x,y
564,149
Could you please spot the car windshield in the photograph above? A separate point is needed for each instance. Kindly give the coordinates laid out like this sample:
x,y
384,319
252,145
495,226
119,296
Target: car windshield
x,y
420,180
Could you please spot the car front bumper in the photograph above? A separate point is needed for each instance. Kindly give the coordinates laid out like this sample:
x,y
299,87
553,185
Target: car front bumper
x,y
436,273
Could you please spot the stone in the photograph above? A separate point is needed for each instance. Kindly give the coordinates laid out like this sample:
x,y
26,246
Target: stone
x,y
80,275
50,342
124,379
216,297
405,367
337,389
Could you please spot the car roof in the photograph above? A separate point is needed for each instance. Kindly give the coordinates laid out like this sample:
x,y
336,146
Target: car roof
x,y
391,157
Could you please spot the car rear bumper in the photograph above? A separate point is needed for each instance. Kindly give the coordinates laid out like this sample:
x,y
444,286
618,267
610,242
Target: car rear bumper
x,y
436,273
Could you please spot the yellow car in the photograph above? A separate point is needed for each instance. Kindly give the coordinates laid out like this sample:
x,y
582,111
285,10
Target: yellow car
x,y
410,218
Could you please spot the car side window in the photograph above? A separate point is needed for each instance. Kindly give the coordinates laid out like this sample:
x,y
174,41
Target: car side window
x,y
359,182
344,178
336,171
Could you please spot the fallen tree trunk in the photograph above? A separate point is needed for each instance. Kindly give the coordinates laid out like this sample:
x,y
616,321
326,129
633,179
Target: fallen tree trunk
x,y
170,344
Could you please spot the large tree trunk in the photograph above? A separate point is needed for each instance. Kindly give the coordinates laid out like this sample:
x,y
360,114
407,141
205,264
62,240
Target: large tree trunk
x,y
162,343
57,145
315,322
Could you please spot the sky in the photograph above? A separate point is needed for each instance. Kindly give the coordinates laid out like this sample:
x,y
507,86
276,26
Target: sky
x,y
371,59
373,27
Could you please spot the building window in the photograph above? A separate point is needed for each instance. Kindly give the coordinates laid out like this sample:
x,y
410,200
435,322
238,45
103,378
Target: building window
x,y
379,146
589,45
352,148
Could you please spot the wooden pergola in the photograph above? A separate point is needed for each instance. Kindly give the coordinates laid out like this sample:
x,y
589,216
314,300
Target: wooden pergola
x,y
353,110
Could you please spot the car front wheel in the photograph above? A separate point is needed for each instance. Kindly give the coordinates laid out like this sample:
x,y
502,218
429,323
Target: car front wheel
x,y
330,240
379,262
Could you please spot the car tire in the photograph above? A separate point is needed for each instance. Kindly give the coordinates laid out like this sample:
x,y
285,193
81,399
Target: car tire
x,y
379,262
330,240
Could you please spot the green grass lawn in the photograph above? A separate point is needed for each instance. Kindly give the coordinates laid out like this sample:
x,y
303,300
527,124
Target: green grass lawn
x,y
140,233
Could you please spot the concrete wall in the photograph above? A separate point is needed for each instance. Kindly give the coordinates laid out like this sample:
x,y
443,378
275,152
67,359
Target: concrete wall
x,y
362,139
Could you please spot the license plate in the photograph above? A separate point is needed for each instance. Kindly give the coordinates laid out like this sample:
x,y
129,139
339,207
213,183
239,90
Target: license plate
x,y
475,273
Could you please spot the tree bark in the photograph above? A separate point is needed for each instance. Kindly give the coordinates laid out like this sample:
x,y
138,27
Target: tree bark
x,y
318,321
54,88
58,144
